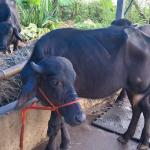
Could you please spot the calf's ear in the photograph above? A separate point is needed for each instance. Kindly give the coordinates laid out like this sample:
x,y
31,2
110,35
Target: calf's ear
x,y
27,93
17,34
37,68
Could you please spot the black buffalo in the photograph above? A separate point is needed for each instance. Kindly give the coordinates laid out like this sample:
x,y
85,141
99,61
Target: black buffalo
x,y
104,60
9,25
123,23
143,106
145,29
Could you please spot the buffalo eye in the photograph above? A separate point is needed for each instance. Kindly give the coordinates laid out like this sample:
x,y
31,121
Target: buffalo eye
x,y
55,83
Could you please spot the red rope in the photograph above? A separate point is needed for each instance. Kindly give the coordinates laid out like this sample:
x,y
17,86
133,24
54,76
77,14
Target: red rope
x,y
23,119
52,107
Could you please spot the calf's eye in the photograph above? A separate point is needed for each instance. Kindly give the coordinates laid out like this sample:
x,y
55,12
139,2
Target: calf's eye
x,y
56,83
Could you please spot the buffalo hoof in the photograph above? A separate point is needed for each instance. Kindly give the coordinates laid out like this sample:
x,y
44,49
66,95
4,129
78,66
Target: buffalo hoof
x,y
49,148
142,147
122,140
65,147
9,51
16,49
4,52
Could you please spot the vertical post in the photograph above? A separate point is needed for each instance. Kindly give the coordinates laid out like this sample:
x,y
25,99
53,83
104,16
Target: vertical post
x,y
120,9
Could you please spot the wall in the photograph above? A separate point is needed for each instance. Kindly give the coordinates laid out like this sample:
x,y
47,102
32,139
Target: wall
x,y
35,131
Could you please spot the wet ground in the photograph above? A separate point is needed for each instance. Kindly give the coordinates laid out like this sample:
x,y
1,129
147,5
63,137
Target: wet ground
x,y
117,119
87,137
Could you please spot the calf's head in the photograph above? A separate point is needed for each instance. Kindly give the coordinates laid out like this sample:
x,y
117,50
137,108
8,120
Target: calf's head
x,y
56,78
7,34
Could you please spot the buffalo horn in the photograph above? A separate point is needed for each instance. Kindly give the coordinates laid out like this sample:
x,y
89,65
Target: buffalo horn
x,y
36,67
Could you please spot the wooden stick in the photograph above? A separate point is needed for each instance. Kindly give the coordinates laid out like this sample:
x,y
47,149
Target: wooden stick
x,y
7,73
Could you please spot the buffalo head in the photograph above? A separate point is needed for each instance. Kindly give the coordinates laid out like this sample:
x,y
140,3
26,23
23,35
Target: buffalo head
x,y
8,33
56,77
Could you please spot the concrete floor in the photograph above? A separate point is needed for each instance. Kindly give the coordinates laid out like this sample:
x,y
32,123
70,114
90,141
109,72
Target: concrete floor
x,y
87,137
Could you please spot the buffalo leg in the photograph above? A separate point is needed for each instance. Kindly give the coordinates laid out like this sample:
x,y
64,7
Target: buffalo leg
x,y
136,112
144,140
65,136
54,125
9,50
15,47
121,96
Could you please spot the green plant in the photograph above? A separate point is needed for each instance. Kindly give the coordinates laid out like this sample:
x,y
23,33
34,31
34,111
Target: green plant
x,y
87,24
48,13
101,11
108,11
34,11
138,12
32,32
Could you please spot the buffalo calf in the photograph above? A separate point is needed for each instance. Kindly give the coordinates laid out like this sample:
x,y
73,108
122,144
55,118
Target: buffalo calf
x,y
9,25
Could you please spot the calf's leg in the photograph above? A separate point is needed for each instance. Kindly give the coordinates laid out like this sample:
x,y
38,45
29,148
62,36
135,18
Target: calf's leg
x,y
65,136
54,126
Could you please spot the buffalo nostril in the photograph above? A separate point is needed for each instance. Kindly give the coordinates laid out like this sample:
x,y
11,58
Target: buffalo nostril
x,y
80,118
72,96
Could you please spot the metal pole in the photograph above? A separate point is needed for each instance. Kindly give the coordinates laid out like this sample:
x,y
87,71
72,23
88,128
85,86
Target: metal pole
x,y
120,9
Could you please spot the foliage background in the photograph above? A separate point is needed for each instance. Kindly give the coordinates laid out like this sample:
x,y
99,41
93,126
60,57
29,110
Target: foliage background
x,y
51,14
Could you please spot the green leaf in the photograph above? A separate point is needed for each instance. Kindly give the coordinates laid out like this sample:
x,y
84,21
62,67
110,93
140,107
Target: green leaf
x,y
65,2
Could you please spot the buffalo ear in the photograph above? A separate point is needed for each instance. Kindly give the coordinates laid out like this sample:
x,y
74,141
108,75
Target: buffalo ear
x,y
37,68
17,34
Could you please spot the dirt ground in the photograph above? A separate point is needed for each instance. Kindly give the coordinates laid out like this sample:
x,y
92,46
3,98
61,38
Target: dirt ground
x,y
87,137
